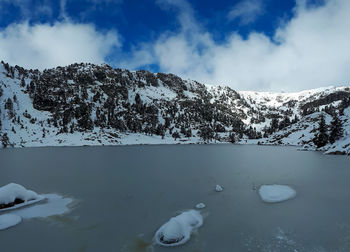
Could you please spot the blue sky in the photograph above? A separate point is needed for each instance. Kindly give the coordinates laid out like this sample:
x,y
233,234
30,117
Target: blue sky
x,y
247,44
140,21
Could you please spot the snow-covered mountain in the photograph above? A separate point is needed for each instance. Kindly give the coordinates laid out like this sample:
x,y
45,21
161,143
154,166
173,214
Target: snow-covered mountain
x,y
86,104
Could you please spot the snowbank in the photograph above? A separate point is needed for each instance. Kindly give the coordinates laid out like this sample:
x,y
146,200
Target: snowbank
x,y
9,220
276,193
178,229
13,196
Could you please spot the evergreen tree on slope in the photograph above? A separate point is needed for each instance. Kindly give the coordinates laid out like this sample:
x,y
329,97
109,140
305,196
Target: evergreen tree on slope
x,y
321,136
336,129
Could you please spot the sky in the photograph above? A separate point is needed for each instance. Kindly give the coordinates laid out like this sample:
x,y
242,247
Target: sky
x,y
262,45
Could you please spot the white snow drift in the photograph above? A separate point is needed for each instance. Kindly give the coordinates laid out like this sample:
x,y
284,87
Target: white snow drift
x,y
9,193
178,229
9,220
276,193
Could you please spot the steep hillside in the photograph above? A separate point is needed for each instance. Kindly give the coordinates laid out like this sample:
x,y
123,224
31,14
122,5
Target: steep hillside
x,y
308,106
85,104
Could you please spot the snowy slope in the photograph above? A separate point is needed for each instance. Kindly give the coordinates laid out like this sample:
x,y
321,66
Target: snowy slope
x,y
85,104
342,146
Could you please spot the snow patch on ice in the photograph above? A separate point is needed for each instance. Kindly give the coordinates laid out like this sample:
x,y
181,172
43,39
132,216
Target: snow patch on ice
x,y
26,203
9,220
276,193
200,205
177,230
218,188
54,205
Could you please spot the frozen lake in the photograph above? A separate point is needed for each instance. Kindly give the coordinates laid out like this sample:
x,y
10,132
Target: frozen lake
x,y
124,194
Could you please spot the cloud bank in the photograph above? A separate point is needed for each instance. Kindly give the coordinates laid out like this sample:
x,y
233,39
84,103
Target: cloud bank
x,y
44,46
308,51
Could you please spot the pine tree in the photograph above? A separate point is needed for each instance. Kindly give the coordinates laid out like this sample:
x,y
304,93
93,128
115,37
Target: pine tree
x,y
296,119
231,137
336,129
5,140
273,125
206,133
321,136
23,83
188,133
176,135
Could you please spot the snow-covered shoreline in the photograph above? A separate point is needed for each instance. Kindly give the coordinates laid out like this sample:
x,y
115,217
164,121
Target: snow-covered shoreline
x,y
142,139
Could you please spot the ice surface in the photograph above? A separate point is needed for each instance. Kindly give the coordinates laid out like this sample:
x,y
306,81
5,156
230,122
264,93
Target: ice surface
x,y
9,193
218,188
200,205
178,229
9,220
276,193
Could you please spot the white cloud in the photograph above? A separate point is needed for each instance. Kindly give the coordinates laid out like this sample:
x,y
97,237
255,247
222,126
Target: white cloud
x,y
247,11
308,51
44,45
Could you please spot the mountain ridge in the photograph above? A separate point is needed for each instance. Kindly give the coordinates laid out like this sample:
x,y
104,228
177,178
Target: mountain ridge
x,y
86,104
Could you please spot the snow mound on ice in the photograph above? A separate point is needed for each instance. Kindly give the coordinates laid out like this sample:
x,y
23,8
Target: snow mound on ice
x,y
9,220
178,229
276,193
10,192
14,192
200,205
218,188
